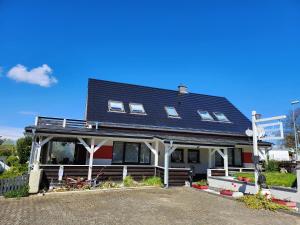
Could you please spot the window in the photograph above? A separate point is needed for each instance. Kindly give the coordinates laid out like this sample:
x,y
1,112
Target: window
x,y
177,156
115,106
221,117
205,115
145,154
131,153
118,152
171,111
137,108
234,157
193,156
58,152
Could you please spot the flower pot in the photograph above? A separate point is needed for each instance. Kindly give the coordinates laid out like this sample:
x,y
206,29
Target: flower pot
x,y
226,192
240,178
284,203
246,179
201,187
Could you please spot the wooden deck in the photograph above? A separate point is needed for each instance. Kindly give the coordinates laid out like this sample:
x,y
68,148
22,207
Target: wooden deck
x,y
177,176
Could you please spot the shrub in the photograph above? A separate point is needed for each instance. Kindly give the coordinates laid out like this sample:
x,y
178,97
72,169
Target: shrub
x,y
152,181
14,171
202,182
260,201
271,166
7,150
109,184
21,192
23,148
12,160
128,181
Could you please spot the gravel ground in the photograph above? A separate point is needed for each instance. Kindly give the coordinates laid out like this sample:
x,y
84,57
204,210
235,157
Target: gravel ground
x,y
147,206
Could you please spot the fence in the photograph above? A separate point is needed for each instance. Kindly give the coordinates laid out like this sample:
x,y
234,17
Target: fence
x,y
11,184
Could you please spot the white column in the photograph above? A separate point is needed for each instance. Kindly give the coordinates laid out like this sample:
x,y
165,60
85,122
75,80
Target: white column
x,y
124,172
91,159
226,161
209,159
166,168
156,155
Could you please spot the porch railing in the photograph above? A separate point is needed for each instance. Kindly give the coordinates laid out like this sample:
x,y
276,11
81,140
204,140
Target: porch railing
x,y
177,176
65,123
216,172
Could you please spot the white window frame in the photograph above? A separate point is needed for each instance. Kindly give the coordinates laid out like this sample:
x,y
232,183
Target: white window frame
x,y
111,110
203,119
138,113
223,121
172,116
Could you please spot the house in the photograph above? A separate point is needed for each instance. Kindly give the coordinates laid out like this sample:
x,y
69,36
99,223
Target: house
x,y
143,131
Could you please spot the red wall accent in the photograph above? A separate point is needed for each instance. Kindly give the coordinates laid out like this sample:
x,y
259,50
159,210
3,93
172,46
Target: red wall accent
x,y
105,152
247,157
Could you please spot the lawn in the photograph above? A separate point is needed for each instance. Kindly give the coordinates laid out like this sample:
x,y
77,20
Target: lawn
x,y
273,178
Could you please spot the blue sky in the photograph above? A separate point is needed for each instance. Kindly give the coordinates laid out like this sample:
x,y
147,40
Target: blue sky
x,y
247,51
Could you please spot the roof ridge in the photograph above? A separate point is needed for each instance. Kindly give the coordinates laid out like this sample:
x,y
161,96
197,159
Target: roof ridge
x,y
150,87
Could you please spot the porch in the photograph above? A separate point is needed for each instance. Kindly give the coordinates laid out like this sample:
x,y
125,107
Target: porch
x,y
84,148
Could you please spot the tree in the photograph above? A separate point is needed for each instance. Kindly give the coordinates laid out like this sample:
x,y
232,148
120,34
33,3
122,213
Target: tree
x,y
289,136
24,148
2,140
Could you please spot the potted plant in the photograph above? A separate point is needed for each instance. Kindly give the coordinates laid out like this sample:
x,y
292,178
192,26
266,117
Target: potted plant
x,y
286,203
226,192
202,184
229,192
240,178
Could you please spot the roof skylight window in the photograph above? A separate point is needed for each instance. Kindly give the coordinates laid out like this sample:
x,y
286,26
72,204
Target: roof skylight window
x,y
171,111
115,106
137,108
205,116
221,117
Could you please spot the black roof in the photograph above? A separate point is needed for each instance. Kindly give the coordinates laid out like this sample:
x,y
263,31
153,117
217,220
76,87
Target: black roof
x,y
154,100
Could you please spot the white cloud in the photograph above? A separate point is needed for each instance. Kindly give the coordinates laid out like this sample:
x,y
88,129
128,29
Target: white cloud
x,y
11,132
39,75
28,113
1,71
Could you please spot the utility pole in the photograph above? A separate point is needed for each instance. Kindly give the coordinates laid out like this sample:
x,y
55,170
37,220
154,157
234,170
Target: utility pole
x,y
295,128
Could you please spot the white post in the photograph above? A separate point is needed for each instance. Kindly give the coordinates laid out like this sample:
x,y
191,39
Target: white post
x,y
226,161
156,155
209,159
37,156
255,150
166,169
124,172
91,159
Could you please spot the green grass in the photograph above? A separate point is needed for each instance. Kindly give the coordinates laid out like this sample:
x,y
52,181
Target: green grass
x,y
273,178
153,181
22,192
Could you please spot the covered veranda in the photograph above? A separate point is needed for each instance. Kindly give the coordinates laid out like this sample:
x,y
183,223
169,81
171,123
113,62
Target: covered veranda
x,y
92,138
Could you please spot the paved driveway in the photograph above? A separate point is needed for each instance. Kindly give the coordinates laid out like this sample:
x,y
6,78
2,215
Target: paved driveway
x,y
151,206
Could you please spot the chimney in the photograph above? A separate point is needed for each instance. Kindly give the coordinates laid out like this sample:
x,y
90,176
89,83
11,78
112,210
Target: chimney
x,y
182,89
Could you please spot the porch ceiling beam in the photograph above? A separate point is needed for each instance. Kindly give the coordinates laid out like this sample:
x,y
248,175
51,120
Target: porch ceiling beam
x,y
85,144
221,153
172,149
213,151
100,145
151,148
45,141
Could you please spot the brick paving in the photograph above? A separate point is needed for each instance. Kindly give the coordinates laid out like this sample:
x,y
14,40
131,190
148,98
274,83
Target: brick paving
x,y
148,206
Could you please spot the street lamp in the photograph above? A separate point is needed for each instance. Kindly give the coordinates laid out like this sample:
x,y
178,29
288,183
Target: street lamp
x,y
295,128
